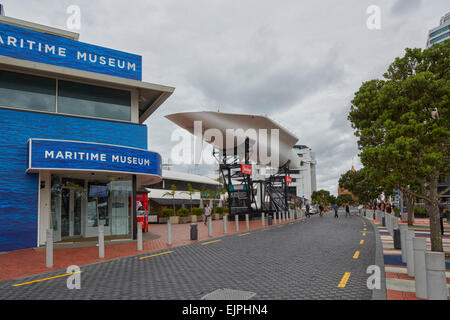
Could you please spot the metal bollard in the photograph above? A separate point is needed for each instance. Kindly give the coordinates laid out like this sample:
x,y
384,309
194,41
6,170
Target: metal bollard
x,y
225,222
139,236
101,242
262,219
403,231
247,222
436,280
410,255
49,249
169,232
419,247
210,226
397,240
236,218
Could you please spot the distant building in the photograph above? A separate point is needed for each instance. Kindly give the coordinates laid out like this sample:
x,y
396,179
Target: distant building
x,y
440,33
342,191
304,179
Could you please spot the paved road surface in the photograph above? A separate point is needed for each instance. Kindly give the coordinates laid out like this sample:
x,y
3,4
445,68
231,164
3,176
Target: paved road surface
x,y
303,260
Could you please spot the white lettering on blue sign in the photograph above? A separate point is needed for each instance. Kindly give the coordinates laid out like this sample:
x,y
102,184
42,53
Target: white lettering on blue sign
x,y
88,156
31,45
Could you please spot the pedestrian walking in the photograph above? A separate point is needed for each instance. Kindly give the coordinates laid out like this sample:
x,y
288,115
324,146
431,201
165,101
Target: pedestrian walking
x,y
308,213
207,211
336,209
441,214
347,210
321,210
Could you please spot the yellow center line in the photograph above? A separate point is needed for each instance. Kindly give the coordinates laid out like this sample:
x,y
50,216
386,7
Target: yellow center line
x,y
205,243
244,234
364,234
356,255
34,281
344,280
265,230
155,255
361,242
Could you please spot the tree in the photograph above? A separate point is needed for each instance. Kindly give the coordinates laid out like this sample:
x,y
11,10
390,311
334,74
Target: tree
x,y
344,199
361,184
321,196
172,194
402,124
191,191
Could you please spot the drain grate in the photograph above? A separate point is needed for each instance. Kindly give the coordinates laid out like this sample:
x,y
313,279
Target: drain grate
x,y
229,294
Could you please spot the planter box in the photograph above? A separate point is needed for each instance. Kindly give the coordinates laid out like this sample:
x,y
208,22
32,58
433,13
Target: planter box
x,y
163,220
153,219
175,220
185,219
194,218
216,216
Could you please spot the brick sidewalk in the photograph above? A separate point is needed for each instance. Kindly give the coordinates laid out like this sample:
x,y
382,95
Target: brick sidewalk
x,y
28,262
399,286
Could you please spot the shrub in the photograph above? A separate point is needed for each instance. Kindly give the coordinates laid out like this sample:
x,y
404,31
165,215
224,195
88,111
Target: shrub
x,y
420,212
219,210
226,210
197,211
396,210
166,213
183,212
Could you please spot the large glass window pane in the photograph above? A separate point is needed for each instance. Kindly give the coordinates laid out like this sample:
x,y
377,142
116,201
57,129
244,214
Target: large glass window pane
x,y
25,91
93,101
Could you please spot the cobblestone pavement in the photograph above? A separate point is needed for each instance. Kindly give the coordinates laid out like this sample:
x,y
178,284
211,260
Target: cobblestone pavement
x,y
302,260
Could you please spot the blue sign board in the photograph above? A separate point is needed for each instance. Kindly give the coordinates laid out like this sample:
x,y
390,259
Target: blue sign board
x,y
91,157
25,44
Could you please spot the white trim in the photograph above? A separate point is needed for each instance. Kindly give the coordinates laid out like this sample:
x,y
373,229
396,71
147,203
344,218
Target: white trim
x,y
36,170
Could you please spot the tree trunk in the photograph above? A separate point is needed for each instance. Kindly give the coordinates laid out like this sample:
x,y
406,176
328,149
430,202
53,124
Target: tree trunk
x,y
433,213
410,201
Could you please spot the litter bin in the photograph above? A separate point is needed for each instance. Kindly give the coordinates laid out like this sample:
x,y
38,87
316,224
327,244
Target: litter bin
x,y
270,220
194,231
383,221
397,240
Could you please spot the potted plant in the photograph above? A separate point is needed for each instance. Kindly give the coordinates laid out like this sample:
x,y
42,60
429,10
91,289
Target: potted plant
x,y
184,215
218,213
173,219
165,215
197,214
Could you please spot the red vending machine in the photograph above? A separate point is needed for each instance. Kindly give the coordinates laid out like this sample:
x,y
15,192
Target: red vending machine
x,y
142,210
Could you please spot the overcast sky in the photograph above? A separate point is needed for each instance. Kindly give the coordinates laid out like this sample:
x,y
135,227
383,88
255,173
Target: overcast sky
x,y
298,62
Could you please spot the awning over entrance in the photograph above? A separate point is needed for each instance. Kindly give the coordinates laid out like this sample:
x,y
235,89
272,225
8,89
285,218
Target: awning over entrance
x,y
77,156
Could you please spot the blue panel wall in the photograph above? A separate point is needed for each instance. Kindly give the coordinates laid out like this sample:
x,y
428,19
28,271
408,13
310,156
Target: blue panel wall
x,y
18,190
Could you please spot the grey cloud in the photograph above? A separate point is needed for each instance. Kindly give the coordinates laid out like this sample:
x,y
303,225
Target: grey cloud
x,y
405,6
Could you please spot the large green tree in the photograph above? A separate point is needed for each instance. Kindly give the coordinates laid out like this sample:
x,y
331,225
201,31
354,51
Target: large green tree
x,y
402,124
321,196
362,184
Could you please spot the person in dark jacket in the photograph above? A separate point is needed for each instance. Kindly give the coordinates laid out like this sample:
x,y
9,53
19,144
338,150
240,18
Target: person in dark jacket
x,y
321,210
336,209
347,210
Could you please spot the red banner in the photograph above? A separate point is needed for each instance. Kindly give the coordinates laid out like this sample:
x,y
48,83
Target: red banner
x,y
288,179
246,169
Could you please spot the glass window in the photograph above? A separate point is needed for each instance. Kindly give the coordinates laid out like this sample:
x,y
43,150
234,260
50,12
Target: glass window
x,y
27,92
93,101
445,35
435,33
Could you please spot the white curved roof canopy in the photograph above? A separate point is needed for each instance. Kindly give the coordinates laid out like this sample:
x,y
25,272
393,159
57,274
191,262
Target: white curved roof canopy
x,y
235,128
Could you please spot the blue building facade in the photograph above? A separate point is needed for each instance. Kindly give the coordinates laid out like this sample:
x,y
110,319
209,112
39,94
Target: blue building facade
x,y
76,109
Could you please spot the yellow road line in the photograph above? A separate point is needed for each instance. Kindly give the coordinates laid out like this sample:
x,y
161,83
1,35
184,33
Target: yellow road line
x,y
34,281
205,243
265,230
244,234
356,255
361,242
155,255
364,234
344,280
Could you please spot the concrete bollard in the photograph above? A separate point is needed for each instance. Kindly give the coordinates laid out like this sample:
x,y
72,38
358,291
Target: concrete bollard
x,y
225,222
49,249
274,218
419,247
139,236
169,232
236,219
262,219
247,222
403,231
210,226
101,242
410,255
435,275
